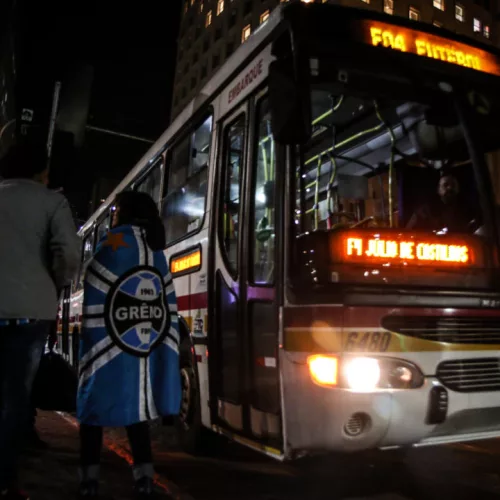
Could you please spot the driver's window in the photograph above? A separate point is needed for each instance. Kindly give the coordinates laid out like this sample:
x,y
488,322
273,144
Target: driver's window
x,y
264,203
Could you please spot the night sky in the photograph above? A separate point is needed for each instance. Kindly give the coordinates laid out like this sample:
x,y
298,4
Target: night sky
x,y
132,51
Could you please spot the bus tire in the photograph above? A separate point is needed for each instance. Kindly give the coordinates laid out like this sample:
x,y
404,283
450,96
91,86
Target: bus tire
x,y
192,436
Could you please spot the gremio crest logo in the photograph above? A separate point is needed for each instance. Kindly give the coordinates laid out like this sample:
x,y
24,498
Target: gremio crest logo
x,y
136,313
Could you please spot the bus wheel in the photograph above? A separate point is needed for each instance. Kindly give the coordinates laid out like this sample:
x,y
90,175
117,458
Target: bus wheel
x,y
193,437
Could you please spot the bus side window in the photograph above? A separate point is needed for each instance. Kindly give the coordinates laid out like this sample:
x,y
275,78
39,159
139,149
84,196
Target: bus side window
x,y
88,252
234,147
102,229
151,184
184,203
263,238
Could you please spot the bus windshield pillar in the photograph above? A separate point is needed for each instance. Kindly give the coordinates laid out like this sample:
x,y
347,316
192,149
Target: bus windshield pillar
x,y
471,130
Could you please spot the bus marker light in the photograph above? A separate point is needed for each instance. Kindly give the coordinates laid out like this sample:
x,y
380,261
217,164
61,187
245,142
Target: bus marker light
x,y
323,369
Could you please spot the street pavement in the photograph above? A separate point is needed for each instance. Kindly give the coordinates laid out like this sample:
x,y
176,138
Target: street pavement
x,y
468,471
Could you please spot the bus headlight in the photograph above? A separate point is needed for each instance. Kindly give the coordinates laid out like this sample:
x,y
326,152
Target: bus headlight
x,y
366,374
362,374
399,374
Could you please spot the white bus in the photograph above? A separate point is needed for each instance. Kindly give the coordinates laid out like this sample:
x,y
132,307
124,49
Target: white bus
x,y
329,203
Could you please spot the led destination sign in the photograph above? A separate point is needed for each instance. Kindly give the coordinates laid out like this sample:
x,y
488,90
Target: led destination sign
x,y
188,262
432,46
359,249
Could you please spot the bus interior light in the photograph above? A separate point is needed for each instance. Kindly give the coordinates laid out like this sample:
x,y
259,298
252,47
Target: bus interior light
x,y
323,369
362,374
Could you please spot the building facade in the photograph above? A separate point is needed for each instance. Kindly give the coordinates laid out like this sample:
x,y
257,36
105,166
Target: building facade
x,y
211,30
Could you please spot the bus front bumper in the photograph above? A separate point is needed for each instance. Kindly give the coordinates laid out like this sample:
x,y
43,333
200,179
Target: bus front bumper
x,y
325,419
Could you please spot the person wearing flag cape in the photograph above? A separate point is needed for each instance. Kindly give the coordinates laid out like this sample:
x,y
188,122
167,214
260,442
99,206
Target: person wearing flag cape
x,y
129,350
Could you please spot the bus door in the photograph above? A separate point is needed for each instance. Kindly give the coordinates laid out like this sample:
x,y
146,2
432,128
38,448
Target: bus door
x,y
245,396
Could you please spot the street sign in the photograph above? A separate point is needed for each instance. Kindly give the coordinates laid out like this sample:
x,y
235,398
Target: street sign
x,y
27,115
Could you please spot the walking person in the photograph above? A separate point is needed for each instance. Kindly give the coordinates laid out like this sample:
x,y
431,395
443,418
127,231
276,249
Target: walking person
x,y
129,351
39,253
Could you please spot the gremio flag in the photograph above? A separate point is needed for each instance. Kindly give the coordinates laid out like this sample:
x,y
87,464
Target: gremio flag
x,y
129,351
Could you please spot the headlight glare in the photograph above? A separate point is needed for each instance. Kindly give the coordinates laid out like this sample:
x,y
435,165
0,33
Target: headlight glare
x,y
362,374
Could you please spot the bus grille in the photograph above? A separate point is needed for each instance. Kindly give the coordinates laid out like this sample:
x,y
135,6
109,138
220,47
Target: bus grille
x,y
455,330
470,375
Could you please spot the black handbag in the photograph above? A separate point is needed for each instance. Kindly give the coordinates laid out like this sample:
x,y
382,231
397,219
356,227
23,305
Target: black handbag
x,y
55,385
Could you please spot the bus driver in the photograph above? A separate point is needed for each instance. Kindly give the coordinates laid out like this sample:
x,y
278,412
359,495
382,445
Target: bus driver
x,y
448,210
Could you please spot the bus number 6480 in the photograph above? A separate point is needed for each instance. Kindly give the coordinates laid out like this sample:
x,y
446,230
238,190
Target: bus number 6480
x,y
367,342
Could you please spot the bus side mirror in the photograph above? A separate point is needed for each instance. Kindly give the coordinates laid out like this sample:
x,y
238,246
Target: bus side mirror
x,y
290,103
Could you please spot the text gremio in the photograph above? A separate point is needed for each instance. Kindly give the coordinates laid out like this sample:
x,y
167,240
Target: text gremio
x,y
247,79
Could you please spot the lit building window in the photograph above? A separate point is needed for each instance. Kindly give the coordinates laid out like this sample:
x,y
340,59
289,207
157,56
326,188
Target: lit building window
x,y
208,20
365,1
438,24
414,14
192,2
201,5
477,25
459,13
245,34
283,1
438,4
264,16
389,6
307,1
486,31
220,7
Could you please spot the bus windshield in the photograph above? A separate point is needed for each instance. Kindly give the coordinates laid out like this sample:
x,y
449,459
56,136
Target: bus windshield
x,y
387,189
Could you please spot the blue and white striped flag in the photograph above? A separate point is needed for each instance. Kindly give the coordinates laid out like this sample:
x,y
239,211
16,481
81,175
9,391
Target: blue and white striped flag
x,y
129,349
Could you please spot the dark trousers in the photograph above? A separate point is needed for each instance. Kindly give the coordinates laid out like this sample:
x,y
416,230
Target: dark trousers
x,y
21,349
32,414
31,422
91,444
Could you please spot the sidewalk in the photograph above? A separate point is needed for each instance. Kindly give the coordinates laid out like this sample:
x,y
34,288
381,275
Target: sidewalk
x,y
53,474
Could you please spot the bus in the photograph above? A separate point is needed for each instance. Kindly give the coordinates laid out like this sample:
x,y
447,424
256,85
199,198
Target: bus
x,y
330,205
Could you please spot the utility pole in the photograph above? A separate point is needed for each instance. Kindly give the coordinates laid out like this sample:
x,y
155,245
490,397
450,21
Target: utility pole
x,y
53,117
